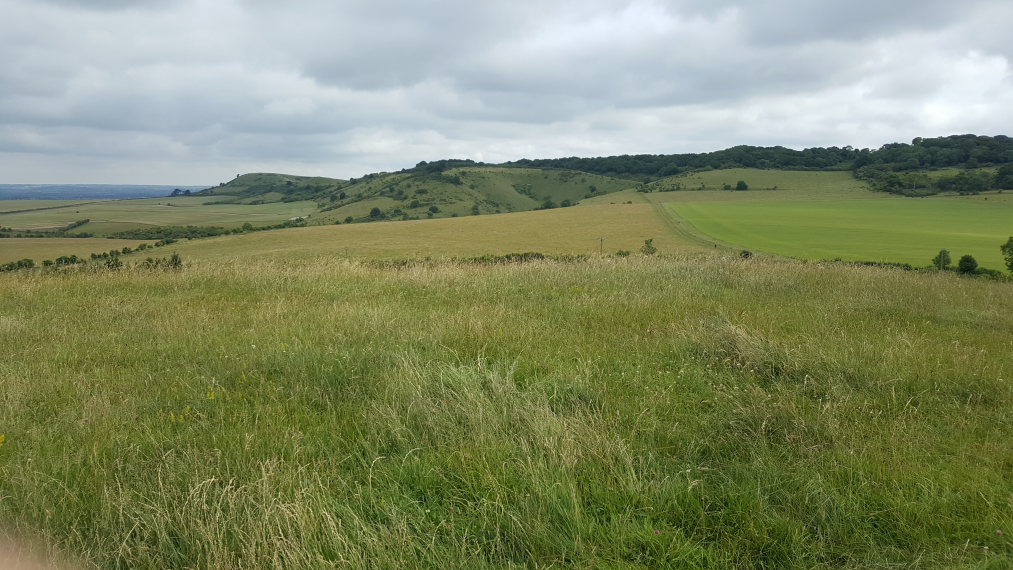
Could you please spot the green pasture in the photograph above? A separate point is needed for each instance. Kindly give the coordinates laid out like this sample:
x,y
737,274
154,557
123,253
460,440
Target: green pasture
x,y
115,215
902,230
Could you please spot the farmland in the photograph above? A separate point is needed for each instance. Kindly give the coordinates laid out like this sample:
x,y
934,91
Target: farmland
x,y
894,230
110,216
560,231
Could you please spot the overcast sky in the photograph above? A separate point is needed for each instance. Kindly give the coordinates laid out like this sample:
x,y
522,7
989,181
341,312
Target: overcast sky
x,y
195,92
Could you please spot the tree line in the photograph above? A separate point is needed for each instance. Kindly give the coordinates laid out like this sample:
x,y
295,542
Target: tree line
x,y
956,151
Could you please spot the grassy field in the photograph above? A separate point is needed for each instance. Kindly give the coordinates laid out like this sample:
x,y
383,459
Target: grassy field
x,y
898,230
116,215
684,412
39,249
560,231
18,205
763,185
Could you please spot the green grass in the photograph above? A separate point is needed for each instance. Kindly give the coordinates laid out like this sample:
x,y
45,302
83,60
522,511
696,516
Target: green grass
x,y
17,205
689,412
763,185
116,215
900,230
39,249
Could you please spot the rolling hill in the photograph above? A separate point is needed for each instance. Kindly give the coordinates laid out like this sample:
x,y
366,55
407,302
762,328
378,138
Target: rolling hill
x,y
432,190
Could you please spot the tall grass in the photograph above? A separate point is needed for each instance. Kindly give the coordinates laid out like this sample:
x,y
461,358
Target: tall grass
x,y
616,413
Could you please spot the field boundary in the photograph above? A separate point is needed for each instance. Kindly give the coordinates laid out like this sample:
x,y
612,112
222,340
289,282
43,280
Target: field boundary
x,y
683,229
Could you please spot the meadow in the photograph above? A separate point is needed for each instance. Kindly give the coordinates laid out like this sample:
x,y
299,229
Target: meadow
x,y
687,411
896,230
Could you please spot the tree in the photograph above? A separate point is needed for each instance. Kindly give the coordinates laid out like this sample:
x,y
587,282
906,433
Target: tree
x,y
1007,253
1004,178
942,259
376,213
648,247
967,264
741,185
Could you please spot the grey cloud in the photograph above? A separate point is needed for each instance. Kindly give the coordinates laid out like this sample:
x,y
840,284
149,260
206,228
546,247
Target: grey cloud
x,y
322,86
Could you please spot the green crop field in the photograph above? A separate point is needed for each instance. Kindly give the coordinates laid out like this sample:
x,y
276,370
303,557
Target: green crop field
x,y
900,230
677,412
39,249
115,215
763,185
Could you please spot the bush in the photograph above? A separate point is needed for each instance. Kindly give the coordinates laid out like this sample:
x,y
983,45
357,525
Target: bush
x,y
648,247
174,262
967,264
745,254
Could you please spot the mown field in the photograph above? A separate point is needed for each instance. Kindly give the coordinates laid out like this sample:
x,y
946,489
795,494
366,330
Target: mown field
x,y
680,412
109,216
900,230
39,249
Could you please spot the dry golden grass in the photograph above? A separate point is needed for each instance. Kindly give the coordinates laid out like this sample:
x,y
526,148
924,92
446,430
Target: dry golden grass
x,y
561,231
38,249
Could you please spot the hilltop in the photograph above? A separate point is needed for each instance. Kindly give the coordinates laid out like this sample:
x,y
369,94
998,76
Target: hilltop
x,y
430,190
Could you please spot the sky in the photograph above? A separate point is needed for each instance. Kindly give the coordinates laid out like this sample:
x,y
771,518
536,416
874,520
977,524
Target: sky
x,y
197,91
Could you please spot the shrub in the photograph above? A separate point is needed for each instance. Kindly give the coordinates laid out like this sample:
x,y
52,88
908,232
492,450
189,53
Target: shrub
x,y
648,247
967,264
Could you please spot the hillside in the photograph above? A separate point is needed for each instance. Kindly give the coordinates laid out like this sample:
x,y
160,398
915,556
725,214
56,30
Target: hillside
x,y
430,190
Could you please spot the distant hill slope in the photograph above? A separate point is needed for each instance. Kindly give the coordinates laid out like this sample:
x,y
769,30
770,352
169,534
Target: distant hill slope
x,y
430,190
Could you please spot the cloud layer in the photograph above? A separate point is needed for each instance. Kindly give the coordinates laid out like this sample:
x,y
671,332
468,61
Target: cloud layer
x,y
192,92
